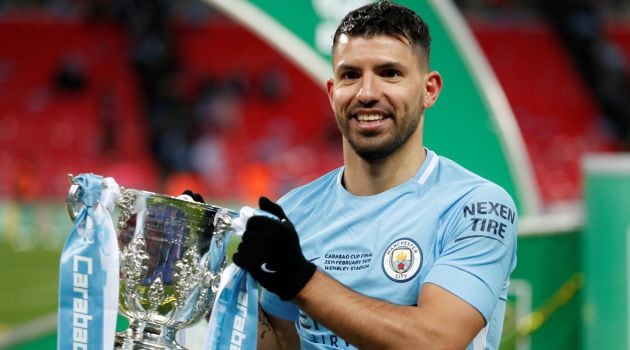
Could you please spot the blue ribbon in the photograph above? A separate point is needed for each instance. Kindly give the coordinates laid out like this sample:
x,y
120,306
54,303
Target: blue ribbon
x,y
85,316
234,321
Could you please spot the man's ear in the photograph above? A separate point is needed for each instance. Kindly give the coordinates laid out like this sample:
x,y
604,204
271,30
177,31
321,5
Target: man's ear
x,y
330,84
433,86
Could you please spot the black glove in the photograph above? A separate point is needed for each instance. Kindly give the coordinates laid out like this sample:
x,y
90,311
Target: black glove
x,y
270,251
195,196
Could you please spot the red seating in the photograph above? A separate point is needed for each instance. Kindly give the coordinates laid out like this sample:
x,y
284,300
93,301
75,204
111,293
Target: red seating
x,y
553,107
619,33
295,124
54,132
45,133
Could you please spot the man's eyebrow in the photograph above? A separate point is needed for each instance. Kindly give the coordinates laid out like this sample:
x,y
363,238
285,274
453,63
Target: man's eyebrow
x,y
385,65
346,66
389,65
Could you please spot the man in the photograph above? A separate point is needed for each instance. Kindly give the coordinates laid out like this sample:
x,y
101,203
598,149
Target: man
x,y
399,248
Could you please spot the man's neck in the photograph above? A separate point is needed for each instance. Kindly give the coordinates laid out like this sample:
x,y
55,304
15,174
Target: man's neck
x,y
369,177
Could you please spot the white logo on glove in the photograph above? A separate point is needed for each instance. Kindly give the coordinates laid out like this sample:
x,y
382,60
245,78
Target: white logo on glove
x,y
266,269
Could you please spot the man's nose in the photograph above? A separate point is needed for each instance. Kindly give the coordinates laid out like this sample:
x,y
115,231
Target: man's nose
x,y
369,91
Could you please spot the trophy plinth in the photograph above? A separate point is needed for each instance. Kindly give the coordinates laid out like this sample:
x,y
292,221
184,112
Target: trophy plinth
x,y
143,336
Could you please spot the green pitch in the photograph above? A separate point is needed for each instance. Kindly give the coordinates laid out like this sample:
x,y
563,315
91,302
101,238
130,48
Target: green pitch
x,y
28,287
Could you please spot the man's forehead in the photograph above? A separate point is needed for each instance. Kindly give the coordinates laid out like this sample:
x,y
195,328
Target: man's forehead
x,y
348,43
362,45
345,38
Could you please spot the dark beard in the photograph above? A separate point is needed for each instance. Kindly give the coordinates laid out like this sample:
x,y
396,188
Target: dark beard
x,y
380,152
372,153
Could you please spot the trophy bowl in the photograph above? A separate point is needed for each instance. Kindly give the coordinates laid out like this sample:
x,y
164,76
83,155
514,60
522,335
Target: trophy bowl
x,y
172,254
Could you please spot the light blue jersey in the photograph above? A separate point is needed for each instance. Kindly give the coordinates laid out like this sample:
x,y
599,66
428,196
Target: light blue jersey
x,y
445,226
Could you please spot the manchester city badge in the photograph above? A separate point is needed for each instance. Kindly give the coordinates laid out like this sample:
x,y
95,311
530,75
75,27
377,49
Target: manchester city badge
x,y
402,260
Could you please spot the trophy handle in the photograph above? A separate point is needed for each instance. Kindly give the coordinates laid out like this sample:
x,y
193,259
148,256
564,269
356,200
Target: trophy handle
x,y
73,202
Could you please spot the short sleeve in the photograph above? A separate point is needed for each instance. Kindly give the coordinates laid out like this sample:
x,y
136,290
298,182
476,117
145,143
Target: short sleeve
x,y
477,248
273,305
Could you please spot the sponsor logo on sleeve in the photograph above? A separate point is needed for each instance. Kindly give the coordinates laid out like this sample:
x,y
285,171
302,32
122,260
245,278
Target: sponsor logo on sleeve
x,y
490,219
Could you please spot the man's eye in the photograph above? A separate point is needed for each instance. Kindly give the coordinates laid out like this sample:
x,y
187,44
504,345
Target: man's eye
x,y
349,75
391,73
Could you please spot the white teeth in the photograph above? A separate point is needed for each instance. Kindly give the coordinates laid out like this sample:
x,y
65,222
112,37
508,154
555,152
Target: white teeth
x,y
369,117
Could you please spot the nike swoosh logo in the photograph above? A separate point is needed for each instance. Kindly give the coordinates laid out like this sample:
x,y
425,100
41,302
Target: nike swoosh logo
x,y
266,269
311,260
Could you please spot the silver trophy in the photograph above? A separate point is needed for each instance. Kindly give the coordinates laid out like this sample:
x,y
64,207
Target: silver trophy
x,y
172,254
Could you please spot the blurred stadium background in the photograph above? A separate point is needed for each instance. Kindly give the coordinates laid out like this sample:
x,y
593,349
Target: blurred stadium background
x,y
167,95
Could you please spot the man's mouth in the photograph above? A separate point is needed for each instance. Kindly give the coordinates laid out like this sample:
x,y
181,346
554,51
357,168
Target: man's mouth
x,y
369,117
369,123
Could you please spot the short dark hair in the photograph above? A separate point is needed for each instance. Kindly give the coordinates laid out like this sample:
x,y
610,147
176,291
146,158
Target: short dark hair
x,y
385,18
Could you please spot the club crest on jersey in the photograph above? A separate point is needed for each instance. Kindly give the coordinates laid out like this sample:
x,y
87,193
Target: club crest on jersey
x,y
402,260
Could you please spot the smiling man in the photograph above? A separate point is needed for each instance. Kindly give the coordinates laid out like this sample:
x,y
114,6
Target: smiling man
x,y
400,248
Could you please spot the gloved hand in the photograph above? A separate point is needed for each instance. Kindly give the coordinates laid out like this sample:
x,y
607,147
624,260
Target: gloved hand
x,y
270,251
193,196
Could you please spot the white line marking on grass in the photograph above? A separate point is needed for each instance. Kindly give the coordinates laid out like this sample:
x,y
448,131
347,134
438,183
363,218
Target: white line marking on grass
x,y
30,330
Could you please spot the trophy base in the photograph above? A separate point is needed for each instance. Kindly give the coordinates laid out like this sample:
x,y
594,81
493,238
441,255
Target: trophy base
x,y
146,337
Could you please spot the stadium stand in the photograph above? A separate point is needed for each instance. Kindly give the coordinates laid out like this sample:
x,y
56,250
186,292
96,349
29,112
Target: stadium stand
x,y
55,125
618,32
68,105
557,115
252,112
70,102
